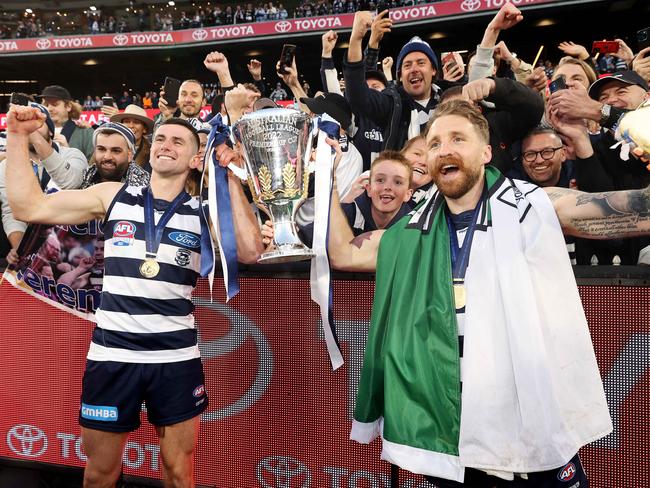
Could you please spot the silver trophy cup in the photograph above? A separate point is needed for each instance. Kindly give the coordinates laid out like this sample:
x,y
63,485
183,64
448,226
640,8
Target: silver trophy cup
x,y
276,144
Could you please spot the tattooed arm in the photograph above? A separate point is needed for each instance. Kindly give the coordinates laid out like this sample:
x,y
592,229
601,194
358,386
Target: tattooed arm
x,y
607,215
346,252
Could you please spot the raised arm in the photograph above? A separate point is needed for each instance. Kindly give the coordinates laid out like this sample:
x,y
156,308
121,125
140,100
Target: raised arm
x,y
346,252
608,215
25,196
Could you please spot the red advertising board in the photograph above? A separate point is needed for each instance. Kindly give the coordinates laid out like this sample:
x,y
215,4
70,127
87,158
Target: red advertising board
x,y
278,415
275,28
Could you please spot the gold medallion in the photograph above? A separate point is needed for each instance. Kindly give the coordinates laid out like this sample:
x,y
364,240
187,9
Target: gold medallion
x,y
149,268
459,295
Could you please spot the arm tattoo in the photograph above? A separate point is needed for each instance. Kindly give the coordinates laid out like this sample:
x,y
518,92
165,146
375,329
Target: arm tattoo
x,y
622,214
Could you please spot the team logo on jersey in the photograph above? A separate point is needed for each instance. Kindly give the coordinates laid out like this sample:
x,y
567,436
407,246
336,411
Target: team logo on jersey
x,y
199,391
123,233
186,239
182,257
567,472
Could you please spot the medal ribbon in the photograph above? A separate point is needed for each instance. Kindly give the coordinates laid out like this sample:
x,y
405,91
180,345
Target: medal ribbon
x,y
220,208
320,277
460,254
153,232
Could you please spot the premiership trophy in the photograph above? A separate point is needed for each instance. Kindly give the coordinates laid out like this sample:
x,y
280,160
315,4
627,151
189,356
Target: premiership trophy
x,y
276,144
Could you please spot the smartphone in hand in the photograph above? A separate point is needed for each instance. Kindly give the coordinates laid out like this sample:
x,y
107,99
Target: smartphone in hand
x,y
557,84
172,88
604,47
18,99
286,58
108,101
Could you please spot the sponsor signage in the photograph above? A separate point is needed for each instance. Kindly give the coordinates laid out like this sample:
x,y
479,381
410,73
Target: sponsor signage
x,y
278,28
277,415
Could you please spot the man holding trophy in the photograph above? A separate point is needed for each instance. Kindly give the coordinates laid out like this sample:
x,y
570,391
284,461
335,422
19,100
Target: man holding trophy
x,y
144,347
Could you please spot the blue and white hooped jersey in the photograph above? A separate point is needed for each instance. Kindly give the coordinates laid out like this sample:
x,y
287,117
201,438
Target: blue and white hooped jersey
x,y
148,320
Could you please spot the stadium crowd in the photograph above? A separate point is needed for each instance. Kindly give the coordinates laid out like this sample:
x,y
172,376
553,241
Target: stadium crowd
x,y
181,15
550,124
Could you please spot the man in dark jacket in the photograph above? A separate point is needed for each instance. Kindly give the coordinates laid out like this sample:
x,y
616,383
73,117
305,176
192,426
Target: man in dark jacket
x,y
404,112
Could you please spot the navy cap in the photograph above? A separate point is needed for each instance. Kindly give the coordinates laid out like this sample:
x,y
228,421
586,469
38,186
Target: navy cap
x,y
417,45
627,76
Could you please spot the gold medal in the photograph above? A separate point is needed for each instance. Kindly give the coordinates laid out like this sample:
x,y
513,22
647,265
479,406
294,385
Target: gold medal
x,y
459,295
149,268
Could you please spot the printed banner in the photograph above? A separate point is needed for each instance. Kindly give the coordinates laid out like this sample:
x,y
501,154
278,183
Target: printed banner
x,y
62,265
277,28
278,416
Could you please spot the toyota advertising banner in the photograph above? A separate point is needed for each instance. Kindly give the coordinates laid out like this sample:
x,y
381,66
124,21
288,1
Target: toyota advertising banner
x,y
278,416
278,28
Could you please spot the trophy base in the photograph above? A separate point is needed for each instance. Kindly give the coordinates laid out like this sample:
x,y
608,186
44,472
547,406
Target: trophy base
x,y
287,255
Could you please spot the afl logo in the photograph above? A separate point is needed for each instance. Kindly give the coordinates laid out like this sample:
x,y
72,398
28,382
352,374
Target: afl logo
x,y
123,233
567,472
198,391
283,26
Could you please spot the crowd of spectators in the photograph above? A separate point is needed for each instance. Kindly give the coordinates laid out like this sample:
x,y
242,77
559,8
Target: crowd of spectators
x,y
562,138
145,18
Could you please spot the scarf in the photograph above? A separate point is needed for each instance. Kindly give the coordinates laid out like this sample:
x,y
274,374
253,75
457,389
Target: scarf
x,y
531,390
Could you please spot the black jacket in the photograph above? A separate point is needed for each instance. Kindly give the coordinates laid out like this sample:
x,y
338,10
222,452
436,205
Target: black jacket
x,y
517,110
389,109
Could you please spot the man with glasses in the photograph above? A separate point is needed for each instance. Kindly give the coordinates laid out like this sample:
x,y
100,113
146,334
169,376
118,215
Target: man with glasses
x,y
544,162
543,159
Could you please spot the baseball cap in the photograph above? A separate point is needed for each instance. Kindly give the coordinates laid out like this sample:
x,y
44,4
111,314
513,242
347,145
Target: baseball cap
x,y
334,105
627,76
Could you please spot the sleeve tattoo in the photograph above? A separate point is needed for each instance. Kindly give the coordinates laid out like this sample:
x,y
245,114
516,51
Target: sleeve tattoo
x,y
610,214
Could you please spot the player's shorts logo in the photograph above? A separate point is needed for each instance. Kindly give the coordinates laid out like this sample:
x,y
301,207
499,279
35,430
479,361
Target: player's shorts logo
x,y
567,472
199,391
123,233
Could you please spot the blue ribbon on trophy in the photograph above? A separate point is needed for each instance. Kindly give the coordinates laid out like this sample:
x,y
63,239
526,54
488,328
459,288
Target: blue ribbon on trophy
x,y
320,276
220,211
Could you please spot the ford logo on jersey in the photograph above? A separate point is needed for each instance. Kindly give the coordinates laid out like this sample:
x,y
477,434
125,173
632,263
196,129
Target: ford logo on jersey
x,y
123,233
186,239
567,472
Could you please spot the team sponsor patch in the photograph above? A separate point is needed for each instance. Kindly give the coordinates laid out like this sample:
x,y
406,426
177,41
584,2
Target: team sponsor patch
x,y
182,257
199,391
567,472
99,412
186,239
123,233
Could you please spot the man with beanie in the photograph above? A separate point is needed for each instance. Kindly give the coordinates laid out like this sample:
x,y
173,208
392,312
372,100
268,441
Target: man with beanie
x,y
114,149
402,113
55,167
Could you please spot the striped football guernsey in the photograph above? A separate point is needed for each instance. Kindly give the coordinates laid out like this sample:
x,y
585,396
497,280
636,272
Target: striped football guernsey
x,y
148,320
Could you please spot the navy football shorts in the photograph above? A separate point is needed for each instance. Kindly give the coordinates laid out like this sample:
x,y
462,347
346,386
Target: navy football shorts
x,y
571,475
113,393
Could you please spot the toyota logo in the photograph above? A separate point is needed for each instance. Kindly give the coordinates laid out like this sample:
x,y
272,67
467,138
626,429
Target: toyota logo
x,y
120,40
283,26
43,43
27,440
282,472
470,5
200,35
